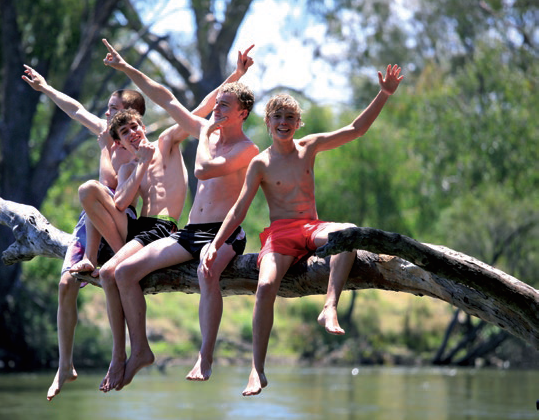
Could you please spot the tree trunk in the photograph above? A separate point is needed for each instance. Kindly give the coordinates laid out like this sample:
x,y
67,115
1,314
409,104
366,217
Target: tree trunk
x,y
469,284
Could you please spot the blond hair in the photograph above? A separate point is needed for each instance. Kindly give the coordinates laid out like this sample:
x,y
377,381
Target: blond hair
x,y
282,101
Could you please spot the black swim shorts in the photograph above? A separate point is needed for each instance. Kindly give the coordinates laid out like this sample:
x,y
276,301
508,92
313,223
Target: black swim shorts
x,y
149,229
195,236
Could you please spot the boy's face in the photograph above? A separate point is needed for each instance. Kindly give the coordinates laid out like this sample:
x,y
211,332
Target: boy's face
x,y
115,104
227,106
283,123
131,135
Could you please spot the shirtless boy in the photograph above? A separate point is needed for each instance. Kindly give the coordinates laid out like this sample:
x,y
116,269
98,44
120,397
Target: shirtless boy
x,y
88,242
285,172
223,154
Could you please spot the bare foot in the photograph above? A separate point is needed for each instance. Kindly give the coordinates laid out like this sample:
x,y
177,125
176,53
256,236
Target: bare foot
x,y
62,376
201,371
328,319
257,381
83,266
114,376
135,363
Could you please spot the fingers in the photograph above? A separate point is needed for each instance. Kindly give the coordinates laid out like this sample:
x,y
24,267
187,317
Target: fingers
x,y
246,52
109,47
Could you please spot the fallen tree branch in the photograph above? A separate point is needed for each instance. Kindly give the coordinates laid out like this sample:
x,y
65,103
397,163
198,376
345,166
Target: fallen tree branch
x,y
385,261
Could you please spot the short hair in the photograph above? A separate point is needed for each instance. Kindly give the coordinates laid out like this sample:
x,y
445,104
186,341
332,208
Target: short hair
x,y
122,118
131,99
282,101
245,95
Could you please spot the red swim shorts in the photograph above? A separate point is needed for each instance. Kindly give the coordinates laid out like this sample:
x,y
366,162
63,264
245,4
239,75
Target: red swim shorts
x,y
293,237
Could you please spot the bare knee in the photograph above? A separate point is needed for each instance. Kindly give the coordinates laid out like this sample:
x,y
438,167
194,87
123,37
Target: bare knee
x,y
106,274
266,291
125,275
88,190
68,288
207,281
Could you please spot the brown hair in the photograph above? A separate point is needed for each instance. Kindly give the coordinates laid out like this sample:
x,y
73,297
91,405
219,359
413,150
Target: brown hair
x,y
122,118
245,95
282,101
131,99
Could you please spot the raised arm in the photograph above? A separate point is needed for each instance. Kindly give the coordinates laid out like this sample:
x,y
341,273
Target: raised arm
x,y
242,65
70,106
156,92
388,86
177,134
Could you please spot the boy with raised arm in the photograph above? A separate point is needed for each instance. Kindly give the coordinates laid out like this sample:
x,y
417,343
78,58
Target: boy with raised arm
x,y
285,172
223,154
88,241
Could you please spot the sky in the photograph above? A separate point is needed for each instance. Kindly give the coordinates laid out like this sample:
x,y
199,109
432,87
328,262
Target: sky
x,y
280,58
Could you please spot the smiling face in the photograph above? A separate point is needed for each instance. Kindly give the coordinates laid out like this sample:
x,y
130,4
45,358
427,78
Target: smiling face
x,y
227,106
127,128
282,116
283,123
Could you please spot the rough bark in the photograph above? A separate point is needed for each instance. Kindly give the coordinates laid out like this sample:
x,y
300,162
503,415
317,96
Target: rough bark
x,y
413,267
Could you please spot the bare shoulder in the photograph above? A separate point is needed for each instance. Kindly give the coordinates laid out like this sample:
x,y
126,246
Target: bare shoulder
x,y
309,140
247,147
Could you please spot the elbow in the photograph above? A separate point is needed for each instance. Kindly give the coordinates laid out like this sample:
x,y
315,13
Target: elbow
x,y
201,173
121,204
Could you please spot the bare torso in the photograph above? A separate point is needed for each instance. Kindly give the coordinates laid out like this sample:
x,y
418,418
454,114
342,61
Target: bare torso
x,y
288,183
164,186
216,196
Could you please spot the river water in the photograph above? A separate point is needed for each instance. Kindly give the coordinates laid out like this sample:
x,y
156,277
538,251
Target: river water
x,y
381,393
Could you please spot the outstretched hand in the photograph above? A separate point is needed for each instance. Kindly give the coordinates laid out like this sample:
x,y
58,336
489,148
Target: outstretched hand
x,y
390,82
244,61
113,58
33,78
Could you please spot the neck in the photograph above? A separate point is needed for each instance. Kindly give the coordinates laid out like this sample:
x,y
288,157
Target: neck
x,y
231,134
283,147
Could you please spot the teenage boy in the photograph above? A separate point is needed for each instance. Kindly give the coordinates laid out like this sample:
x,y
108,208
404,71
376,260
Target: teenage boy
x,y
221,166
88,243
285,172
223,154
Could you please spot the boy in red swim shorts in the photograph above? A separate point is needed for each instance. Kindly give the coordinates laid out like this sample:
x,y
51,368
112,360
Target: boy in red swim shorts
x,y
285,172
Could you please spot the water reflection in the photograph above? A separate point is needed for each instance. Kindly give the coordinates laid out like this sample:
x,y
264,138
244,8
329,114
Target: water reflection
x,y
293,393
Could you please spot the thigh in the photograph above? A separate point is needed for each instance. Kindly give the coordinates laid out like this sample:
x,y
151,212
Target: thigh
x,y
158,254
129,249
320,238
273,267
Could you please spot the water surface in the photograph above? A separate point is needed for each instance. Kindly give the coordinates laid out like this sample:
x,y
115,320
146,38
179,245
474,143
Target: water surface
x,y
293,393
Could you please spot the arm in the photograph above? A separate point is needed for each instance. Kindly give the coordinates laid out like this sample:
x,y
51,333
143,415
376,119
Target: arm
x,y
176,134
208,166
236,215
242,65
130,176
362,123
156,92
70,106
107,174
